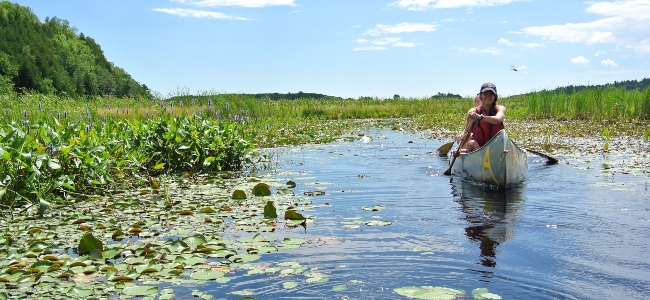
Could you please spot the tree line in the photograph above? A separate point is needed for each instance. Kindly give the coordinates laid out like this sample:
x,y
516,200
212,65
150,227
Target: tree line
x,y
628,85
51,58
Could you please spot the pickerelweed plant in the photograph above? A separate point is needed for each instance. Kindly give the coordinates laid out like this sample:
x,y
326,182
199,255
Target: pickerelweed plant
x,y
55,157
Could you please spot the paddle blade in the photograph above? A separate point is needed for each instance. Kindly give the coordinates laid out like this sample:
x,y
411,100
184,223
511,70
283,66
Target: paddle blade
x,y
444,149
549,159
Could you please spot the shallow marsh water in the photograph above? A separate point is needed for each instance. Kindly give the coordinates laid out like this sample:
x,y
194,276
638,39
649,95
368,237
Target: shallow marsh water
x,y
568,232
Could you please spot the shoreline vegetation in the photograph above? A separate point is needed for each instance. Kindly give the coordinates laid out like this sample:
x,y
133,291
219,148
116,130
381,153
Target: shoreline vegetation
x,y
109,196
54,146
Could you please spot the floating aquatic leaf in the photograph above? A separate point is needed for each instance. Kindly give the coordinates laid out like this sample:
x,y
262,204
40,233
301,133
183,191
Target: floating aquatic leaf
x,y
483,293
292,215
244,257
270,210
238,195
340,287
289,285
262,189
194,241
207,210
244,293
206,274
378,223
88,243
429,292
290,184
143,290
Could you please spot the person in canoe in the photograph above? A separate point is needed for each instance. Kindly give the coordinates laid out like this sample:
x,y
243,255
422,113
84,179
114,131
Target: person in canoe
x,y
477,102
484,121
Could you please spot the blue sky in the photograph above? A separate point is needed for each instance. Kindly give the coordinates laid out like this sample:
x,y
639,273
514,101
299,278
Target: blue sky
x,y
353,48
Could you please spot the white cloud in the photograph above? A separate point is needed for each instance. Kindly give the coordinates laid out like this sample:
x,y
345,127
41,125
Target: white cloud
x,y
401,28
622,22
579,60
599,53
242,3
181,12
505,42
404,44
532,45
393,42
608,63
420,5
489,50
370,48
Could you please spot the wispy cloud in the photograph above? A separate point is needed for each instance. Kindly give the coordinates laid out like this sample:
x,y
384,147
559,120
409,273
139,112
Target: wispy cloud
x,y
369,48
378,44
599,53
579,60
505,42
488,50
182,12
240,3
622,22
609,63
531,45
401,28
419,5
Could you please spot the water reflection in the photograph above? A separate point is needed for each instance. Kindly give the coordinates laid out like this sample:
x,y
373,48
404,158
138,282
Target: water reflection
x,y
491,214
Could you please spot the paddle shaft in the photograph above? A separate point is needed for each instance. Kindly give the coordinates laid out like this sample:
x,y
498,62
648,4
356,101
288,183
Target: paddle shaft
x,y
465,132
549,159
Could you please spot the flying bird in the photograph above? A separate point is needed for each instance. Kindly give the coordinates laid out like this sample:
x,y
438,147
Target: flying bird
x,y
513,68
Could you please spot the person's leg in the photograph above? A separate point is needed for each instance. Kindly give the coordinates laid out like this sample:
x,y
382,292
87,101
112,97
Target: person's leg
x,y
471,146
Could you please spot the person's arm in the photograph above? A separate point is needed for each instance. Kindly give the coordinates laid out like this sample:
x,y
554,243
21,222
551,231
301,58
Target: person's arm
x,y
498,118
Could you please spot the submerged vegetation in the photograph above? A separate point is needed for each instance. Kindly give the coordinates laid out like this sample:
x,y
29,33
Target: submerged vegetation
x,y
98,194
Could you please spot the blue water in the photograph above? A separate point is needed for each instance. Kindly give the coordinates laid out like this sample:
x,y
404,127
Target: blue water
x,y
567,232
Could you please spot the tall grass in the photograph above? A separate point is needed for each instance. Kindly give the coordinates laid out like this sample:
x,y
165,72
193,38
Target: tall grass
x,y
597,104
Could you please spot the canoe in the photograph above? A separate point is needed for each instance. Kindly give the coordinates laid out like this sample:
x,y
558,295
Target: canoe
x,y
500,163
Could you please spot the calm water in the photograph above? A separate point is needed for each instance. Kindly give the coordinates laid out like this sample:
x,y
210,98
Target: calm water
x,y
566,233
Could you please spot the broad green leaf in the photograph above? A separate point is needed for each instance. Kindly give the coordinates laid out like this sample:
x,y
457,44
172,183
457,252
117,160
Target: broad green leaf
x,y
206,274
262,189
143,290
378,223
159,166
289,285
270,211
292,215
88,243
239,195
429,292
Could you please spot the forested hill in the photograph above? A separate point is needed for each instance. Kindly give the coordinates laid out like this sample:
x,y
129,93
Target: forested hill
x,y
50,57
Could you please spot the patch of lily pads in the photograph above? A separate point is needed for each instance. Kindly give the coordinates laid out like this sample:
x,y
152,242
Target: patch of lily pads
x,y
442,293
130,243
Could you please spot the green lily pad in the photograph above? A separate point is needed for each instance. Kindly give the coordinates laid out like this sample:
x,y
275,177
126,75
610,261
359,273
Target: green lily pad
x,y
143,290
88,243
289,285
270,210
292,215
238,195
378,223
262,189
483,293
206,274
373,208
340,287
429,292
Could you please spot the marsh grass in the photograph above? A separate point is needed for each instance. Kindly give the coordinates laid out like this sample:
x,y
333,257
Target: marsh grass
x,y
137,134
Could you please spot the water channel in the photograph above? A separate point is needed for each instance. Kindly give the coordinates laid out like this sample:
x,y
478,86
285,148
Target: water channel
x,y
567,232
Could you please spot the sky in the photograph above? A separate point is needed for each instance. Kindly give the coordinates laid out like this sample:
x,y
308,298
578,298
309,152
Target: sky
x,y
358,48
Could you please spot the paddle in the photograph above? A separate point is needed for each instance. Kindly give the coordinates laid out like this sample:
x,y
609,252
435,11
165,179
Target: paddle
x,y
444,149
448,172
549,159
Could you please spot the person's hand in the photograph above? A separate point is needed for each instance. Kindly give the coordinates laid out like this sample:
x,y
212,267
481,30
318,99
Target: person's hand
x,y
456,152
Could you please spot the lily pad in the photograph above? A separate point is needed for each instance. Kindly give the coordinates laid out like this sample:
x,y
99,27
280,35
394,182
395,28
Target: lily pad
x,y
206,274
270,210
429,292
262,189
88,243
143,290
378,223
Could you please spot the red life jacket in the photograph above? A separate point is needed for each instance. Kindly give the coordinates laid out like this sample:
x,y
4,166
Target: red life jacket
x,y
483,131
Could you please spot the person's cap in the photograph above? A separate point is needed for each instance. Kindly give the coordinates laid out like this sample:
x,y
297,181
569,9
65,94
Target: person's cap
x,y
489,86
